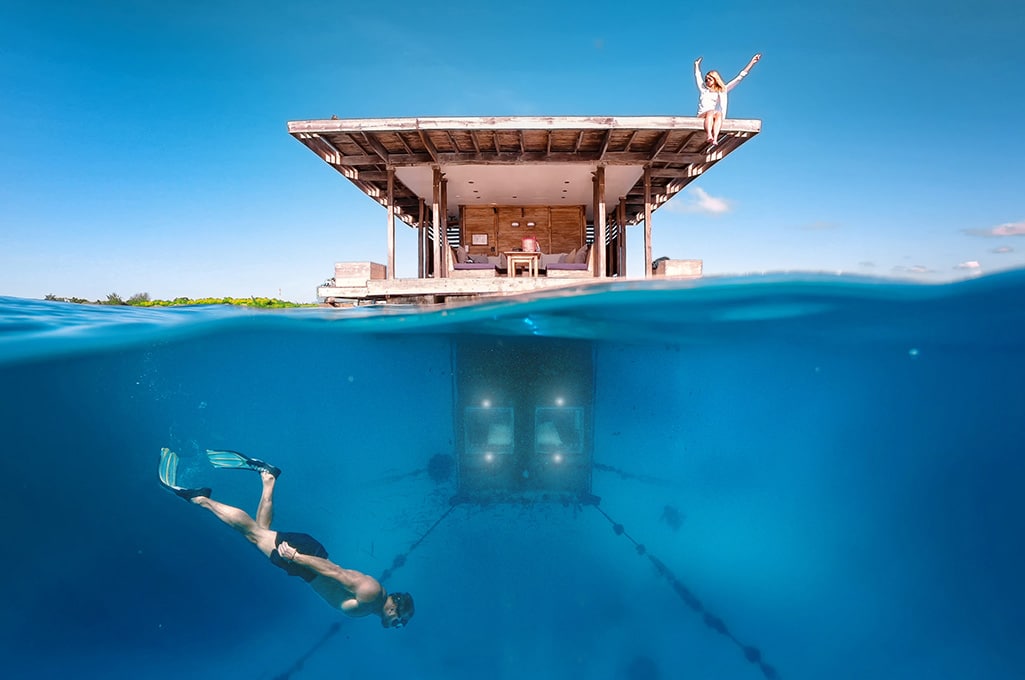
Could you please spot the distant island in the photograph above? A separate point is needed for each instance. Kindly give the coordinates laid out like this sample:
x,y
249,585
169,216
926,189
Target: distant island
x,y
143,300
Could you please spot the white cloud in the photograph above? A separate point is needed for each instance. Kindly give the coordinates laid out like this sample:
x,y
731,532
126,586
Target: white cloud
x,y
971,267
699,201
1002,250
917,269
1008,229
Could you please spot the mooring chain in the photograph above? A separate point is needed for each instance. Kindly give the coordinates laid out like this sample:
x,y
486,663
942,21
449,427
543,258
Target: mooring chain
x,y
751,653
400,559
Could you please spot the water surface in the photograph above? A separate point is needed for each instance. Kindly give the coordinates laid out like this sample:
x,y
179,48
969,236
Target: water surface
x,y
832,467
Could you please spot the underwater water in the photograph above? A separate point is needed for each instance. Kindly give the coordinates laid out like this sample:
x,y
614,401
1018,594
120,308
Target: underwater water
x,y
792,477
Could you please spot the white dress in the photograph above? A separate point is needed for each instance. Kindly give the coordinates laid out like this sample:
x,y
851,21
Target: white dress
x,y
710,100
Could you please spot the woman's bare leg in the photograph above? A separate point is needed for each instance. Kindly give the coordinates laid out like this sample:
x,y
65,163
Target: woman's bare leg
x,y
708,125
265,511
716,126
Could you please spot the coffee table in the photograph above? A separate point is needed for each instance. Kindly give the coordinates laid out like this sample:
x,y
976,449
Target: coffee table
x,y
529,261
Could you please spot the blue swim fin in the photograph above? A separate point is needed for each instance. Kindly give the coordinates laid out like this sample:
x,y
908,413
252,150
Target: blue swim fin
x,y
168,475
233,460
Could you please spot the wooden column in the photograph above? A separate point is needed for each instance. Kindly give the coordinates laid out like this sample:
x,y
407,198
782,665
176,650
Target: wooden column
x,y
600,225
621,220
391,223
647,222
436,211
444,218
421,243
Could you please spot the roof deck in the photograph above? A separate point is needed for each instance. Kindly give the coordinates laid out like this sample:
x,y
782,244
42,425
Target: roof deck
x,y
433,173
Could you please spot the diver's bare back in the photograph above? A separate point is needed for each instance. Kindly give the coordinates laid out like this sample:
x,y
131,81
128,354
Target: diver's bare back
x,y
358,601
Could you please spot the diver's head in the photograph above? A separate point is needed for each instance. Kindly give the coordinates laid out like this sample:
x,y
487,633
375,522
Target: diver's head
x,y
397,611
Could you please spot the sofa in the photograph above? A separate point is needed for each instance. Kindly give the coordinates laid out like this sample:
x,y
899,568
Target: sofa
x,y
461,265
576,263
579,263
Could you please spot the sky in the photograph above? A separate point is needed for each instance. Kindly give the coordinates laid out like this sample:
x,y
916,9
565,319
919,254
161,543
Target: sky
x,y
145,145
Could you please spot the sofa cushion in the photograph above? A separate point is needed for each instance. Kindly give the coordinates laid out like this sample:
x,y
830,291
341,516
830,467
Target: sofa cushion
x,y
567,266
460,254
473,265
551,258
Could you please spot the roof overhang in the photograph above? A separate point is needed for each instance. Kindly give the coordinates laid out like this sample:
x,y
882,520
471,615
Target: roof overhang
x,y
520,160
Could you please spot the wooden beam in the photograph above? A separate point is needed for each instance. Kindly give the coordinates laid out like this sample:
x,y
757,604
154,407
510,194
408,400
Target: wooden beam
x,y
375,144
444,216
325,149
647,222
475,141
621,221
405,144
429,145
421,243
600,226
390,274
452,140
604,146
516,123
630,140
659,145
437,270
525,157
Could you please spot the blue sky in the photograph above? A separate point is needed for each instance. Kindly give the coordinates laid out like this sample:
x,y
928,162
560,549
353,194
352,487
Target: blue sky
x,y
145,145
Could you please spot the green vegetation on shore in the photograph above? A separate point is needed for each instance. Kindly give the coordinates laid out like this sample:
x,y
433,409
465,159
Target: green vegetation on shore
x,y
143,300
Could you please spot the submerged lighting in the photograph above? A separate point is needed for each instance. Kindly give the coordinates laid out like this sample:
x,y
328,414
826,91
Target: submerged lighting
x,y
559,401
486,403
489,457
557,458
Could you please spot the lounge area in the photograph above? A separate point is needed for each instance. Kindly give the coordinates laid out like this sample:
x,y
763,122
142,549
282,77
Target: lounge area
x,y
512,241
578,262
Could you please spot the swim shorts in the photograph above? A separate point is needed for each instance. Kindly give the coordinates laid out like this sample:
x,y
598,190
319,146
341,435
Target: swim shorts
x,y
305,544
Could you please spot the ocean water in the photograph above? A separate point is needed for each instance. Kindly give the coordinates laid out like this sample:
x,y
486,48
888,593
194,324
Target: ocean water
x,y
793,477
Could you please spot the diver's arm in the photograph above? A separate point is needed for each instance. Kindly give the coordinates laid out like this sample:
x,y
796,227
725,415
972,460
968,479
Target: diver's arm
x,y
364,588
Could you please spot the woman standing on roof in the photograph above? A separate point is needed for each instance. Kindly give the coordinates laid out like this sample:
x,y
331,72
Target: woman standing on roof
x,y
712,98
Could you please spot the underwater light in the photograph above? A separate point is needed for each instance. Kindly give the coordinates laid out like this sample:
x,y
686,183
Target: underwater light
x,y
489,457
557,458
486,403
559,401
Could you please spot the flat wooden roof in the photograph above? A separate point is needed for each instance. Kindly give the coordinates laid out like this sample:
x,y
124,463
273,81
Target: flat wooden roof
x,y
520,160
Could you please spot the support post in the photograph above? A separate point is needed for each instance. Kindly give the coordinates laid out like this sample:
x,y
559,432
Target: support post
x,y
444,214
647,222
600,224
391,223
621,220
436,212
421,243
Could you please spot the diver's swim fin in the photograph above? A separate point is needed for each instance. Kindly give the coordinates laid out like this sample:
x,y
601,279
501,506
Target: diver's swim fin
x,y
233,460
168,475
